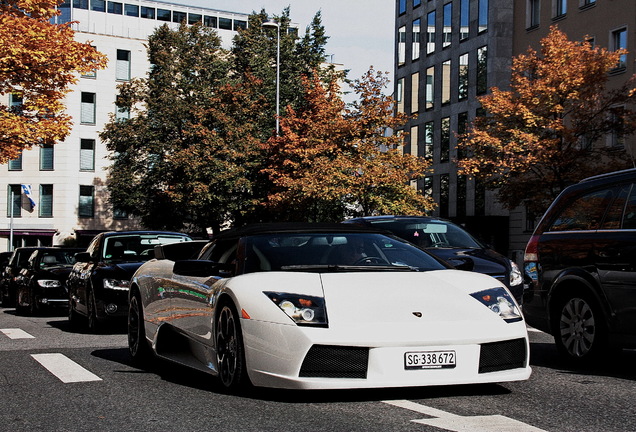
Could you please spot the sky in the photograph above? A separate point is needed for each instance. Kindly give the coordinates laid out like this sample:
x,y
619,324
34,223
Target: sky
x,y
361,32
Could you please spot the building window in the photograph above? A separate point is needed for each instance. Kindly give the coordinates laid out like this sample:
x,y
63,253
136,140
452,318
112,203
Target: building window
x,y
46,201
482,70
225,23
428,140
122,70
414,137
131,10
415,92
92,73
533,13
617,119
119,213
401,45
483,15
586,3
444,195
115,8
15,101
194,18
80,4
462,81
430,32
402,7
399,95
619,41
464,19
445,140
430,88
178,16
148,12
560,8
427,187
446,82
87,154
87,115
16,164
14,201
46,157
86,207
461,196
242,25
416,3
210,21
415,44
447,33
462,128
164,15
98,5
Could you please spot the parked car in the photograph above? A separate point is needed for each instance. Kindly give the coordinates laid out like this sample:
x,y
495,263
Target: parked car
x,y
581,263
324,306
41,284
17,262
451,243
98,283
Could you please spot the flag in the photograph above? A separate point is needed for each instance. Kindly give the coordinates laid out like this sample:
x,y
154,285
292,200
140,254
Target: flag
x,y
26,189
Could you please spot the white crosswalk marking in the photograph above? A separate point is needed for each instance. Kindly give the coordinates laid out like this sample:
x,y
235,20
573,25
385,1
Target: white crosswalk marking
x,y
16,333
64,368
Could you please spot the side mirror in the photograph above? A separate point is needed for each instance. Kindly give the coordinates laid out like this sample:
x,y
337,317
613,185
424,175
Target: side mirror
x,y
196,268
83,257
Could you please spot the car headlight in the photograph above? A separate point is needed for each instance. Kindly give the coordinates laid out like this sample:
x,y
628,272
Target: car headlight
x,y
49,283
303,310
500,302
117,284
516,278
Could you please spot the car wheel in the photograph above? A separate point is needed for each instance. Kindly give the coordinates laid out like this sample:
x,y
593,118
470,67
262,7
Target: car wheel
x,y
20,309
580,333
229,349
137,344
33,306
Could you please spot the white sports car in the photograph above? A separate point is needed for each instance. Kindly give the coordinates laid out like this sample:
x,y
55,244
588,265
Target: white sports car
x,y
314,306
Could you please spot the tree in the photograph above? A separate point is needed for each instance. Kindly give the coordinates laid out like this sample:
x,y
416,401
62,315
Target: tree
x,y
38,62
331,161
545,132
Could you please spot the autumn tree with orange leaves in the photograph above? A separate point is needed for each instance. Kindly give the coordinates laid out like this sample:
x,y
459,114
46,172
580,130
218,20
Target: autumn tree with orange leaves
x,y
38,62
333,160
548,129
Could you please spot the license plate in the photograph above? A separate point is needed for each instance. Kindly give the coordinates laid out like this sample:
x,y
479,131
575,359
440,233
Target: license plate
x,y
430,360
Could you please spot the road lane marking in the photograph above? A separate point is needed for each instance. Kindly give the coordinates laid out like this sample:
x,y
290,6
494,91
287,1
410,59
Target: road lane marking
x,y
456,423
64,368
16,333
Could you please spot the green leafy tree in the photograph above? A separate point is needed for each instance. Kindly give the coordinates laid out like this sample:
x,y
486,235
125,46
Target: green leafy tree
x,y
547,130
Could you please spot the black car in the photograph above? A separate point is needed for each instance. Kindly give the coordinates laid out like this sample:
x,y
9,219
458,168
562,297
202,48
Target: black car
x,y
19,259
98,283
450,243
581,263
42,283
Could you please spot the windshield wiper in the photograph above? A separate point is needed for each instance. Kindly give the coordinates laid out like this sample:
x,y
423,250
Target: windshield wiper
x,y
339,267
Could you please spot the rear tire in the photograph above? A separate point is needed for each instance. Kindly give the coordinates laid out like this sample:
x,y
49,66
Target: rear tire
x,y
138,346
579,331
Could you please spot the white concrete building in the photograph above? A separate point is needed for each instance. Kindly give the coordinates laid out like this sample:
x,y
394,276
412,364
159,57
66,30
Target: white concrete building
x,y
68,180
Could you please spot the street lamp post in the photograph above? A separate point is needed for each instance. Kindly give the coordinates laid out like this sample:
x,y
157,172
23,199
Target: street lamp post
x,y
271,24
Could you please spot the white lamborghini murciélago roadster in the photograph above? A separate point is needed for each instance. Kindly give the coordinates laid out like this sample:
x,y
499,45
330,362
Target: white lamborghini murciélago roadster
x,y
314,306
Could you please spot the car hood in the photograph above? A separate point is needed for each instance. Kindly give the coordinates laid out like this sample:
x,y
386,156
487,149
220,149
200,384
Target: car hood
x,y
60,272
123,268
484,261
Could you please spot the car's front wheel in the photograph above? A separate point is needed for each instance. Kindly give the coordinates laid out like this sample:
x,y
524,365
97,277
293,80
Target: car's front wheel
x,y
137,344
229,349
580,333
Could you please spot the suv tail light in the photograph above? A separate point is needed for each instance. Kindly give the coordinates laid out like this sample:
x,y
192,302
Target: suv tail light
x,y
531,254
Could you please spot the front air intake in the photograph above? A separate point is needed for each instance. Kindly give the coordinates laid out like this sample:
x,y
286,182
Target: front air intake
x,y
498,356
326,361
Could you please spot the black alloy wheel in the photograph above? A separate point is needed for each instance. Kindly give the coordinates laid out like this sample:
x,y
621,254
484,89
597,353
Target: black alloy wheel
x,y
229,349
137,344
580,333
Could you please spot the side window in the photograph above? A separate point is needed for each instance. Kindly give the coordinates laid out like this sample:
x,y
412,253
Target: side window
x,y
614,214
585,213
629,216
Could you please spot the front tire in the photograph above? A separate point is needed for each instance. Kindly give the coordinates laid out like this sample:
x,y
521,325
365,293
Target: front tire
x,y
580,333
230,352
137,344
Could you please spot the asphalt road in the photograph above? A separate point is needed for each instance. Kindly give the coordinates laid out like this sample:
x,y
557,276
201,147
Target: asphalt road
x,y
55,379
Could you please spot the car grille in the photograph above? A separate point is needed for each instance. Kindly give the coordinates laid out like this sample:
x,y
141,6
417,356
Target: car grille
x,y
497,356
325,361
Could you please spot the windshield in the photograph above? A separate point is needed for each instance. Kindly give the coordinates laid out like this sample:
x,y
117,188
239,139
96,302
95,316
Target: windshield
x,y
137,247
58,258
428,233
338,251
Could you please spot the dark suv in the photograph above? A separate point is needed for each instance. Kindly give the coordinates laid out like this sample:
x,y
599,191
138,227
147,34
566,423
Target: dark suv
x,y
581,266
